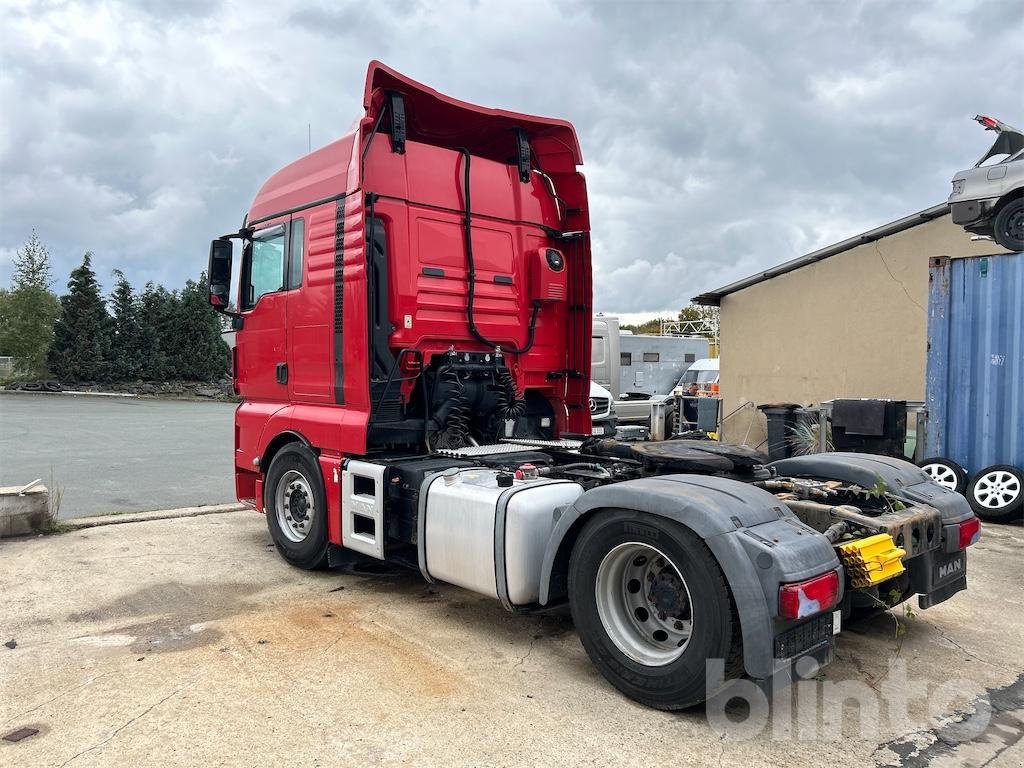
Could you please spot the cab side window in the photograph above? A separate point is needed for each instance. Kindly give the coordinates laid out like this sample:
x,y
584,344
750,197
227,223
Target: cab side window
x,y
295,250
264,271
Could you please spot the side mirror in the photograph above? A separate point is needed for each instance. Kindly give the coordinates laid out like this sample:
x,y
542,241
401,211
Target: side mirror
x,y
219,274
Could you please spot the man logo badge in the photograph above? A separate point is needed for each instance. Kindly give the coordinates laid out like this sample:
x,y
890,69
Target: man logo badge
x,y
951,568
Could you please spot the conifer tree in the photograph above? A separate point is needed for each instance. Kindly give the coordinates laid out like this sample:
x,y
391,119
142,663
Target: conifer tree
x,y
126,358
157,308
202,353
81,336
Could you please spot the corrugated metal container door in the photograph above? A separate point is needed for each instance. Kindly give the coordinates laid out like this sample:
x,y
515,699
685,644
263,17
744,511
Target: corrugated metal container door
x,y
975,379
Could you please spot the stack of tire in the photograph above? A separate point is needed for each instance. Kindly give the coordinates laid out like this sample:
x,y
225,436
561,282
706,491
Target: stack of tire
x,y
995,493
35,386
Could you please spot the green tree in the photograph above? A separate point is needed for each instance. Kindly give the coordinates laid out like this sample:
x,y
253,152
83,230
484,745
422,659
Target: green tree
x,y
652,327
81,336
126,359
157,312
706,319
699,321
201,352
29,309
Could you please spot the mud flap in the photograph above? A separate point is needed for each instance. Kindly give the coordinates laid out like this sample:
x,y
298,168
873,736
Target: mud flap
x,y
937,576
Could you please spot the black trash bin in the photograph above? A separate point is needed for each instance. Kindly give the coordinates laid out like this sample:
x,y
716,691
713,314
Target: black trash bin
x,y
782,420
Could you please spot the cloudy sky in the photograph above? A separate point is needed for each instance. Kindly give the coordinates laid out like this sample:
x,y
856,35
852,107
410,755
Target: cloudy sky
x,y
719,138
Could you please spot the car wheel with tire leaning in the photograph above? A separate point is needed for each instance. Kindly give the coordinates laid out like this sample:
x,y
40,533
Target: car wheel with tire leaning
x,y
296,507
651,606
997,493
945,472
1008,225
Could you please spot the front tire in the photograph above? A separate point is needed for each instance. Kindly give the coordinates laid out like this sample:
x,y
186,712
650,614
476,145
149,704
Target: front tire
x,y
1008,225
651,607
296,507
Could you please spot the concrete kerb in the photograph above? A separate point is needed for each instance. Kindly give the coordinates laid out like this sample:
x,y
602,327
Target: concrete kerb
x,y
24,510
118,518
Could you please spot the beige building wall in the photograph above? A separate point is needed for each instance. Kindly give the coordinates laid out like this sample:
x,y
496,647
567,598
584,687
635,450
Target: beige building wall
x,y
851,325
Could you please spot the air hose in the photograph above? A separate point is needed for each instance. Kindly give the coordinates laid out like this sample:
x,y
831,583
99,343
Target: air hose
x,y
467,229
456,426
510,407
509,404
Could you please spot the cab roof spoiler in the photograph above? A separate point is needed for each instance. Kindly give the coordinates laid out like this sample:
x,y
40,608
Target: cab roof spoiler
x,y
406,109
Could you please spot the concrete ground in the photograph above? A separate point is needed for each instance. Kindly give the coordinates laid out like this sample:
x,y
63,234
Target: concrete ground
x,y
189,642
118,454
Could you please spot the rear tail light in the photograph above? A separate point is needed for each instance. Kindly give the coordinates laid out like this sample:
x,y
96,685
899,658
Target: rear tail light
x,y
806,598
970,532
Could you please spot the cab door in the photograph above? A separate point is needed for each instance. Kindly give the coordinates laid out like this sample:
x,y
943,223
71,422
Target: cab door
x,y
262,342
310,286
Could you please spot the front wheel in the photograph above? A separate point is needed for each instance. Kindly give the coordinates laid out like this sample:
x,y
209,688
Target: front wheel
x,y
296,507
652,607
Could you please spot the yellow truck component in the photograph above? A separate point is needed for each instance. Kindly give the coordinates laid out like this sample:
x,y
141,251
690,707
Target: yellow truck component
x,y
872,560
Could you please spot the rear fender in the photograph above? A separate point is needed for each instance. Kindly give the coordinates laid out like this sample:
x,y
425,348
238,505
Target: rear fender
x,y
756,540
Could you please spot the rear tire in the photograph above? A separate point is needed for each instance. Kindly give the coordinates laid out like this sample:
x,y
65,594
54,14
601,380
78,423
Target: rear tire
x,y
997,493
945,472
1008,225
651,640
296,507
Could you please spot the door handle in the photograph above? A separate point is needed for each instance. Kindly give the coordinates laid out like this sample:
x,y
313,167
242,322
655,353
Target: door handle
x,y
282,373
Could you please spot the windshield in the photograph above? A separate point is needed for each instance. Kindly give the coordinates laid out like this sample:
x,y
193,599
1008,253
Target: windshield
x,y
698,377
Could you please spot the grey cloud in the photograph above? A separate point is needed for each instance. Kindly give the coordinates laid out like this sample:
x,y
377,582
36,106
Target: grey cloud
x,y
719,138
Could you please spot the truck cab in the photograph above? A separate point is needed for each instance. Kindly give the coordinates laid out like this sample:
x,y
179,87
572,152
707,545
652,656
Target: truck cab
x,y
353,329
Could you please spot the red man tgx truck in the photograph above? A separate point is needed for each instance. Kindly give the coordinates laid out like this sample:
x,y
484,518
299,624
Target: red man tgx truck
x,y
413,325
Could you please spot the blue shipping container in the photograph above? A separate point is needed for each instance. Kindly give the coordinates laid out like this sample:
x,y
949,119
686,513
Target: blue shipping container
x,y
975,379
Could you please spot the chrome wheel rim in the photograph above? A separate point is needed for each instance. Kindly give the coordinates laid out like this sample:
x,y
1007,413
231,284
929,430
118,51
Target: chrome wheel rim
x,y
644,604
295,505
997,489
942,475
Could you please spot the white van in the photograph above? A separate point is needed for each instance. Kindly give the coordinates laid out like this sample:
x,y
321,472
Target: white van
x,y
703,373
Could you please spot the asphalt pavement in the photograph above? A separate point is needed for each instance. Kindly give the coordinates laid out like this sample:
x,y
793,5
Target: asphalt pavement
x,y
118,454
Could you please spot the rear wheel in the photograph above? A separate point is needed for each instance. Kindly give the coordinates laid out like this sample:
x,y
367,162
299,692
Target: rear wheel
x,y
651,606
946,473
296,507
997,493
1008,225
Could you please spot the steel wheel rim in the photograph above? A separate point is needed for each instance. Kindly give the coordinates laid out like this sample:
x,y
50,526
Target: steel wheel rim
x,y
943,475
295,506
997,489
1015,225
644,604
